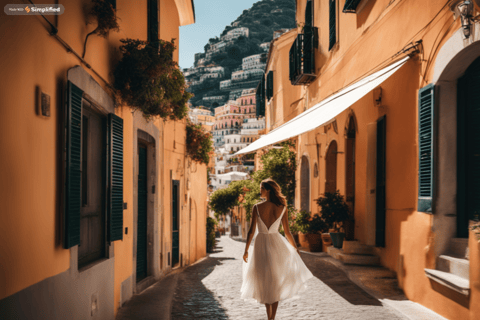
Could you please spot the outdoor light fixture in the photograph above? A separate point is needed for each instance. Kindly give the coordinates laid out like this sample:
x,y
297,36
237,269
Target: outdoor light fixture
x,y
463,9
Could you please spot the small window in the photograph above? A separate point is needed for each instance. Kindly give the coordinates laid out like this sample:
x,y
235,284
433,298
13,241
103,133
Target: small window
x,y
333,24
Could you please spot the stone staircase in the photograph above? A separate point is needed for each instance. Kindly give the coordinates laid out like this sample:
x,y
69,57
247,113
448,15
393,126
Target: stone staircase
x,y
353,252
452,269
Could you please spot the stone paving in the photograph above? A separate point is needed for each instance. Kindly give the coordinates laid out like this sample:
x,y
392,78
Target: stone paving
x,y
211,290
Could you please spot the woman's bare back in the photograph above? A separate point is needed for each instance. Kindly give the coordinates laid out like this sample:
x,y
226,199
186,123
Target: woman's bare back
x,y
269,212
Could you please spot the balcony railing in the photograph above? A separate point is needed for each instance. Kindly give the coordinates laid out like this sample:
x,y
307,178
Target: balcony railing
x,y
302,57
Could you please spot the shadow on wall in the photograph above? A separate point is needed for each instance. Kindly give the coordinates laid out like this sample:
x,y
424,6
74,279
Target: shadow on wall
x,y
363,15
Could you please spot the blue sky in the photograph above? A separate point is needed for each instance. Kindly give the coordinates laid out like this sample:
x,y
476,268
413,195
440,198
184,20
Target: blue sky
x,y
211,18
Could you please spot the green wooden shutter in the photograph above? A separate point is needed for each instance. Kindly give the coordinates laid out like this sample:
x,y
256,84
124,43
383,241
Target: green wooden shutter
x,y
291,62
73,175
152,21
351,6
309,14
333,24
425,148
269,85
260,98
115,176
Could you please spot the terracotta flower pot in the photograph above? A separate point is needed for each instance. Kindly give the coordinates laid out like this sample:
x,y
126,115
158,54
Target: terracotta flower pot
x,y
302,239
314,242
326,241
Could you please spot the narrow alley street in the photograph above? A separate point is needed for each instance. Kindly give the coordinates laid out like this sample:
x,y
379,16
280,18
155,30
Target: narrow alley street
x,y
210,290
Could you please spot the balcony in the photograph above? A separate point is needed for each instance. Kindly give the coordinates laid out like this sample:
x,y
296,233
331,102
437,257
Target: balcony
x,y
302,57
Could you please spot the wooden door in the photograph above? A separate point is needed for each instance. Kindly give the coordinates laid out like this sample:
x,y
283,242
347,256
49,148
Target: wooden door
x,y
305,185
175,222
381,182
142,214
350,177
331,168
468,144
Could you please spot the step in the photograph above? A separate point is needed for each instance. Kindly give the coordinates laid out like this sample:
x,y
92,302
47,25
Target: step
x,y
457,266
458,247
365,260
449,280
358,259
355,247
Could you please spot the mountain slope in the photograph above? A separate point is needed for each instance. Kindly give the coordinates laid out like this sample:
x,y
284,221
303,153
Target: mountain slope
x,y
262,19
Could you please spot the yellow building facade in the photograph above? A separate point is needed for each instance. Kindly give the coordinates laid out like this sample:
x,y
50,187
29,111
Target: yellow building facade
x,y
128,238
412,199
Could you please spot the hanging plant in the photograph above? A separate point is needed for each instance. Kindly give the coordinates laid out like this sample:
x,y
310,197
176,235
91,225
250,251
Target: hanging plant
x,y
104,13
199,143
148,79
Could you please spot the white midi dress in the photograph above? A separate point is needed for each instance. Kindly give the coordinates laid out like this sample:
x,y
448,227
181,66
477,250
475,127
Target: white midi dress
x,y
274,271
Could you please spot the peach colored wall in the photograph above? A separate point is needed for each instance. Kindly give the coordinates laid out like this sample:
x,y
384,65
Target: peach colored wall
x,y
31,228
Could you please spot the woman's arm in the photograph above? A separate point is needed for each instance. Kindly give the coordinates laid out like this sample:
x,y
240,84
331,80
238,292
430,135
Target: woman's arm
x,y
251,231
286,229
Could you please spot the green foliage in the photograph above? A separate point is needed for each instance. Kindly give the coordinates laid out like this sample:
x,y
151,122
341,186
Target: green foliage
x,y
317,225
280,165
334,209
199,143
302,221
211,233
222,200
292,216
147,78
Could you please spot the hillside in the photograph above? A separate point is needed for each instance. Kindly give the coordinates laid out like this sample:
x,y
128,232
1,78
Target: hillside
x,y
242,38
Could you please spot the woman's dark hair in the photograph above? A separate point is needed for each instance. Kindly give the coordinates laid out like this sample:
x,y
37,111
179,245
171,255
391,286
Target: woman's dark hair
x,y
276,195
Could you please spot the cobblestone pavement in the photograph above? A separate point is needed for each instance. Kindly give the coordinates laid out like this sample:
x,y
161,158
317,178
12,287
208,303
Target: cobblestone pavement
x,y
211,290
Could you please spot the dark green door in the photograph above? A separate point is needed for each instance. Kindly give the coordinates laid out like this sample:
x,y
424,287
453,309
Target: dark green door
x,y
381,182
142,214
468,158
175,224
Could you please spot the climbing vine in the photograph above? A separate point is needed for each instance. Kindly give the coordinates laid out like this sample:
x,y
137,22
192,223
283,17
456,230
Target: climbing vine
x,y
199,143
103,12
148,79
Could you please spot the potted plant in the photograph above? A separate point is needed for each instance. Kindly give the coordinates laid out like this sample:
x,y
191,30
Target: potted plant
x,y
335,211
315,228
302,220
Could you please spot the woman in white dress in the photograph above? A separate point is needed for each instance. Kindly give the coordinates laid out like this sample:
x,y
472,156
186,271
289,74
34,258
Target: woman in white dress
x,y
275,271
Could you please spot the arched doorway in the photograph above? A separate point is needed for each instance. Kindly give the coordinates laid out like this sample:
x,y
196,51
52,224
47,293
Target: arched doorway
x,y
468,146
331,168
305,185
454,77
350,136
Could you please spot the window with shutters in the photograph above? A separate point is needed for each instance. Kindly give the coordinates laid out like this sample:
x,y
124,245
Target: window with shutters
x,y
93,196
332,23
302,52
92,213
425,148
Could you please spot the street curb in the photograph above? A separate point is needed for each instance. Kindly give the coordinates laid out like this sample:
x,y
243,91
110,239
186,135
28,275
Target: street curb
x,y
403,307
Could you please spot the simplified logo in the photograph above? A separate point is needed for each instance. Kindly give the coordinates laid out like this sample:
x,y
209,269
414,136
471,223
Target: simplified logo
x,y
38,9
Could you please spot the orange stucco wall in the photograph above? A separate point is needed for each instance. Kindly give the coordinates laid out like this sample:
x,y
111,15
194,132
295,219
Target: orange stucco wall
x,y
30,223
366,41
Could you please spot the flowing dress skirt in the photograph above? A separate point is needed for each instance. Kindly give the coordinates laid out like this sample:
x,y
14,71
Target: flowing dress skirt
x,y
274,271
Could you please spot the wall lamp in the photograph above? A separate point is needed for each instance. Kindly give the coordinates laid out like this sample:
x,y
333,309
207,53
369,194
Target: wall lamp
x,y
463,9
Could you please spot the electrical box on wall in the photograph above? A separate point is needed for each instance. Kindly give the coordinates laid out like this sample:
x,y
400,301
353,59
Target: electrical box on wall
x,y
42,102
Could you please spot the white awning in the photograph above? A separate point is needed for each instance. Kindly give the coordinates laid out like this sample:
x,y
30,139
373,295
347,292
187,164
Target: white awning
x,y
325,110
